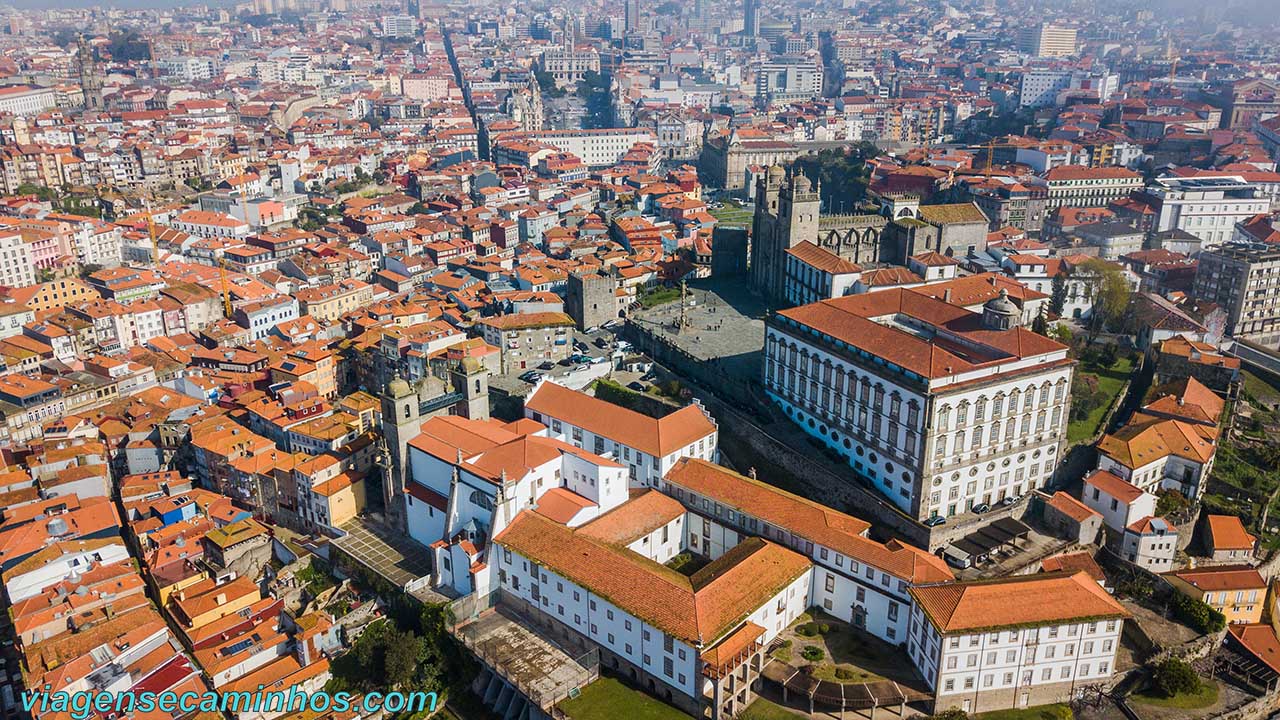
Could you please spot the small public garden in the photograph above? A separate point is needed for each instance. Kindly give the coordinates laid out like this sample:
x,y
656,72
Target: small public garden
x,y
1175,684
833,651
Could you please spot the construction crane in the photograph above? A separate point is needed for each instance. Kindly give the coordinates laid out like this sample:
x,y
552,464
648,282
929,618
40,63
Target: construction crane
x,y
227,310
151,232
991,153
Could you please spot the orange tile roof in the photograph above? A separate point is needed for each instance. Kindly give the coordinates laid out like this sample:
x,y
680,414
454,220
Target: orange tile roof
x,y
1073,562
561,505
1227,532
1187,399
1029,600
1115,486
1260,640
1223,577
1146,439
699,609
822,259
1071,507
630,521
806,518
656,436
852,319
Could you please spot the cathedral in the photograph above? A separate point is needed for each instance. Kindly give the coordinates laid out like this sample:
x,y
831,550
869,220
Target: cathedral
x,y
788,213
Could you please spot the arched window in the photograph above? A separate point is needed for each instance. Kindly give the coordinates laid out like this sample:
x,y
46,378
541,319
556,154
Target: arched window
x,y
481,499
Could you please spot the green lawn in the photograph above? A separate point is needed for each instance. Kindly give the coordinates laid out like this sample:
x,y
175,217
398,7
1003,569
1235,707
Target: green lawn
x,y
762,709
659,296
730,215
608,699
1208,695
1110,381
1040,712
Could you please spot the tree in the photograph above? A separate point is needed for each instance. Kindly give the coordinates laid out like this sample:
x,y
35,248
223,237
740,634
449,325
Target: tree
x,y
387,658
1175,676
1040,325
1196,614
1058,299
1111,298
1062,334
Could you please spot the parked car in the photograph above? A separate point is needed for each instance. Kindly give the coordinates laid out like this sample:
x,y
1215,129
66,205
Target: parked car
x,y
548,365
531,377
935,521
637,386
981,508
1007,501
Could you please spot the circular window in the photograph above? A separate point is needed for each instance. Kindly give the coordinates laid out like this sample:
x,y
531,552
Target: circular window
x,y
973,472
991,466
788,412
1022,457
822,429
905,477
872,457
888,466
1035,454
955,477
847,444
1052,450
859,450
937,481
811,423
1005,463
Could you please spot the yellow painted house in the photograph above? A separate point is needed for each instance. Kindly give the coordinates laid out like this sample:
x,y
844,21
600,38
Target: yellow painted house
x,y
1237,591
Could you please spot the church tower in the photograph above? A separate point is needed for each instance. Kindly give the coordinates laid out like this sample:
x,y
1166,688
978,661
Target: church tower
x,y
401,422
472,380
90,78
787,210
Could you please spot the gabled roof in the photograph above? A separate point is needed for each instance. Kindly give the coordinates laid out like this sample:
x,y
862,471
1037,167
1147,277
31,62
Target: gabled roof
x,y
655,436
1227,532
1025,601
1147,439
699,609
840,532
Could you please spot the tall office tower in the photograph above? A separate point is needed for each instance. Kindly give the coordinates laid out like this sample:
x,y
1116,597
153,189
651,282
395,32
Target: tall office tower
x,y
751,18
1048,40
633,15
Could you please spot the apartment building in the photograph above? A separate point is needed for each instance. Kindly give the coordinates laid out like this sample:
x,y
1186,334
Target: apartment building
x,y
597,148
1079,186
1245,280
863,374
1206,207
1014,643
1048,40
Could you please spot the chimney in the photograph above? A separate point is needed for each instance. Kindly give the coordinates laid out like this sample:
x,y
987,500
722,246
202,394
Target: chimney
x,y
946,295
221,599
